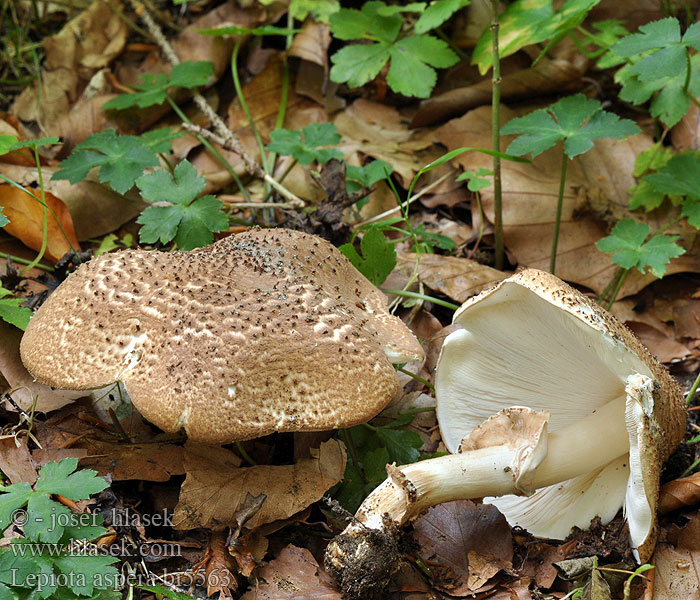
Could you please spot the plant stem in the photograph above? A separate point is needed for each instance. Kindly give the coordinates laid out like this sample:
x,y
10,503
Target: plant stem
x,y
24,261
693,389
620,281
45,240
224,163
560,204
606,291
244,455
495,133
408,294
418,378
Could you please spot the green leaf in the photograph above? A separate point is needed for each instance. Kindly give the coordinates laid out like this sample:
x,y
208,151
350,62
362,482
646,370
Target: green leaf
x,y
15,496
308,144
3,218
158,140
96,571
409,72
60,478
527,22
45,519
358,64
153,89
437,13
36,144
160,223
644,195
680,175
257,31
656,34
476,181
378,256
199,222
627,243
161,186
351,24
576,119
122,159
691,211
161,591
652,159
357,178
7,143
402,444
10,310
320,10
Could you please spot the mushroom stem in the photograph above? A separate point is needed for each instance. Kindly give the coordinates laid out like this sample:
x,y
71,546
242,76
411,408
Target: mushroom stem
x,y
495,470
571,451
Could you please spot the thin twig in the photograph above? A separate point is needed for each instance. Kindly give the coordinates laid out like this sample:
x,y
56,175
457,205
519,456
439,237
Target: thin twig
x,y
294,201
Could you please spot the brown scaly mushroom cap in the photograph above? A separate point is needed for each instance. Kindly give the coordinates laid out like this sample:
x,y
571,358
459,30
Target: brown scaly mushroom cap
x,y
269,330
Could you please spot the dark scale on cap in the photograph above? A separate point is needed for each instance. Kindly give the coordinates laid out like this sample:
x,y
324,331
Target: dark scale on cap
x,y
242,338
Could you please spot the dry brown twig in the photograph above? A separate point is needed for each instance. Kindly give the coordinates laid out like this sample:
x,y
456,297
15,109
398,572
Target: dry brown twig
x,y
223,136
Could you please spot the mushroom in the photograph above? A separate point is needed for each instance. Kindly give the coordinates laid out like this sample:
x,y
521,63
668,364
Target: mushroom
x,y
269,330
543,394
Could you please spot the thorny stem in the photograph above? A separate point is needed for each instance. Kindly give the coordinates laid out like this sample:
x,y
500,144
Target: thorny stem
x,y
560,204
616,291
495,132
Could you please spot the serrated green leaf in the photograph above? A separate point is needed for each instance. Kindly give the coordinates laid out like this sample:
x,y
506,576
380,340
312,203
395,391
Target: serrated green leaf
x,y
656,34
121,159
199,222
320,10
14,497
161,186
680,175
6,593
402,444
378,256
643,195
160,223
627,243
60,478
45,518
192,74
670,62
159,140
652,159
96,571
307,145
437,13
367,23
691,37
579,121
691,211
412,58
36,144
358,64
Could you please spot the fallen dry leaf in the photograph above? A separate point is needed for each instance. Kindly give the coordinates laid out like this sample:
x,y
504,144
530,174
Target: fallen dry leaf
x,y
26,216
84,45
679,493
216,559
677,572
686,134
312,44
15,460
686,318
457,278
464,545
17,381
215,487
293,575
148,462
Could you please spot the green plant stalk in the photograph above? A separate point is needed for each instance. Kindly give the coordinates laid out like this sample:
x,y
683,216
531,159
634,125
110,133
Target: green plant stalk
x,y
418,378
287,170
604,294
418,296
560,204
496,128
244,455
616,291
24,261
352,450
244,104
693,390
45,240
224,163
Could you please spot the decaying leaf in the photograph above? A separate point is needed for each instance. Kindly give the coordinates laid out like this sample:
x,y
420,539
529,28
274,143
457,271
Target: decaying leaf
x,y
148,462
15,460
465,545
679,493
293,575
26,216
215,487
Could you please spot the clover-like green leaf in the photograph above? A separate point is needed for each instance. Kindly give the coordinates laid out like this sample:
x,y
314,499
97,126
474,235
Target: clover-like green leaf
x,y
378,256
308,144
575,119
629,246
358,178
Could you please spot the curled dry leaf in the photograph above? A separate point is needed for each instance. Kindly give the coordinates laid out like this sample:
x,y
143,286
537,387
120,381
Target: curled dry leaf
x,y
312,44
215,488
26,216
464,544
293,575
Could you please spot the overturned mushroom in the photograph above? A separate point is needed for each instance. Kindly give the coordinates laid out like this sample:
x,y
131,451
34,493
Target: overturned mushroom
x,y
268,330
543,394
